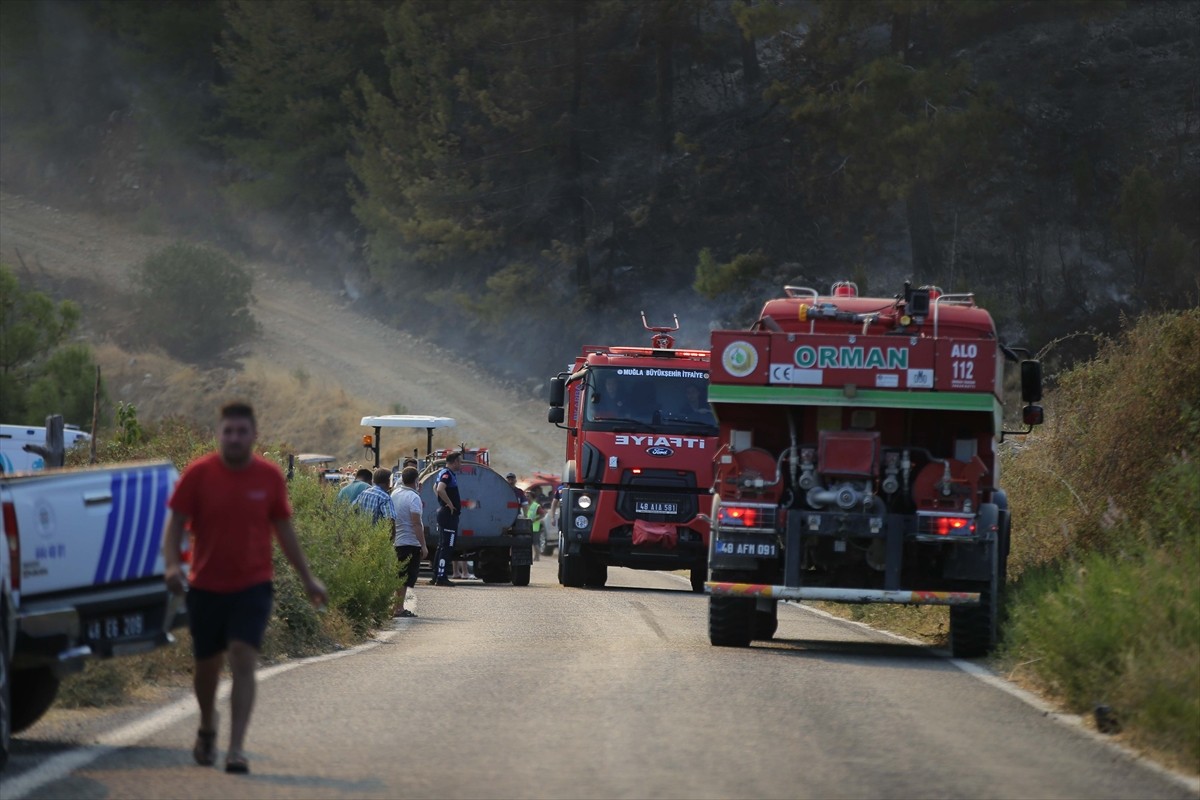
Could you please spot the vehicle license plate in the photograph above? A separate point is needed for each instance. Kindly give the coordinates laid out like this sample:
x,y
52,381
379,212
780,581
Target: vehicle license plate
x,y
739,546
115,627
655,507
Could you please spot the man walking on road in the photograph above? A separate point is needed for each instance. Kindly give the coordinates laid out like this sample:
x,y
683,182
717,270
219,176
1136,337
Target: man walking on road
x,y
234,501
409,540
449,509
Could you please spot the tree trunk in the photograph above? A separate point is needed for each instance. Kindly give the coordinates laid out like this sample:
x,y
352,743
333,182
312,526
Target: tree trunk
x,y
665,96
750,69
926,261
583,267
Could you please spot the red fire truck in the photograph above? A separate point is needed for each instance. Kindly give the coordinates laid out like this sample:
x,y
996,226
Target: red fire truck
x,y
858,460
639,462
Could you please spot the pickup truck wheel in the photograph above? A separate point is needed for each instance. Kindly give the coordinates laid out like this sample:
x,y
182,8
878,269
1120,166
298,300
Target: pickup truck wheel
x,y
5,697
974,630
32,692
730,621
520,575
699,576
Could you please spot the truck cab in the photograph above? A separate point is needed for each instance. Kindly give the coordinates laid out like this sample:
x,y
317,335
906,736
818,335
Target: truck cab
x,y
638,469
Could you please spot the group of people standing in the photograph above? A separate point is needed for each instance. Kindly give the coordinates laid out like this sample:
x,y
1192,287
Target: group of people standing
x,y
402,509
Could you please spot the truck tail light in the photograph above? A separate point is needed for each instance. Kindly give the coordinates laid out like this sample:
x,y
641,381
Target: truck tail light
x,y
945,526
14,545
744,517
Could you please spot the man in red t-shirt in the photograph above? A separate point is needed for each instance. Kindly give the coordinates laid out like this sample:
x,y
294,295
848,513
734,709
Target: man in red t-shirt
x,y
233,501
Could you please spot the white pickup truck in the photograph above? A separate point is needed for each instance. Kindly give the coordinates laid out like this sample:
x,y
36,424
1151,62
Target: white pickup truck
x,y
81,576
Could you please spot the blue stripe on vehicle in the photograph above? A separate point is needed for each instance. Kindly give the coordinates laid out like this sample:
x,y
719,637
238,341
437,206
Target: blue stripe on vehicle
x,y
162,480
110,528
129,502
141,524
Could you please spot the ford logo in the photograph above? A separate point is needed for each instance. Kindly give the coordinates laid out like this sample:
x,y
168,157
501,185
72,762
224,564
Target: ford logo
x,y
660,451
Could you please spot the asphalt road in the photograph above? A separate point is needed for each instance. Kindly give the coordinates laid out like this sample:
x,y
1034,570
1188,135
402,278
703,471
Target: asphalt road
x,y
542,691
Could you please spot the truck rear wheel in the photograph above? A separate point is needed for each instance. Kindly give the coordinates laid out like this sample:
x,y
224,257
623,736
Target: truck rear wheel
x,y
766,620
520,575
492,566
32,692
730,621
974,630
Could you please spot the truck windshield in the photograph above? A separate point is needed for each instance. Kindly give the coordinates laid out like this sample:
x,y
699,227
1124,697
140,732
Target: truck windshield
x,y
648,398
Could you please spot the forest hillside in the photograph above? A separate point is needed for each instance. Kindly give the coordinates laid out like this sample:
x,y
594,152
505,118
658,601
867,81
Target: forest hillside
x,y
484,169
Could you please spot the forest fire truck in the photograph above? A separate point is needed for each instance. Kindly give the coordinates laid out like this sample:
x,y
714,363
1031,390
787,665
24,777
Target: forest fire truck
x,y
858,460
638,472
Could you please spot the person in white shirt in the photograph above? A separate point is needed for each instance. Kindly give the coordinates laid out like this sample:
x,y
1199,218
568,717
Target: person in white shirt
x,y
409,539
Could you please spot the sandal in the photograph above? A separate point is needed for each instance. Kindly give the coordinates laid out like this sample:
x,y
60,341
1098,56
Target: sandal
x,y
235,763
205,749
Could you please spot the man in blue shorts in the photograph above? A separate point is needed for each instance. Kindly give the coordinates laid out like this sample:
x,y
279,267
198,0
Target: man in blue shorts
x,y
234,502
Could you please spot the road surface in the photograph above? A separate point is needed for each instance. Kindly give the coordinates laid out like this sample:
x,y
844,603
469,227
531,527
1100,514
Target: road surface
x,y
542,691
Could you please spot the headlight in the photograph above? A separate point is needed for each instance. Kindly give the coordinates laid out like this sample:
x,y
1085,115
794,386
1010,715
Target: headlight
x,y
581,522
584,501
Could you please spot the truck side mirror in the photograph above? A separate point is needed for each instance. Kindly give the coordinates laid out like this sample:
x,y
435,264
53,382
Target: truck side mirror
x,y
556,415
1032,415
557,393
1031,381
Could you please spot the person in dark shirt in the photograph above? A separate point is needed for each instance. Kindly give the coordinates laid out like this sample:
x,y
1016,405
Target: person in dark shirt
x,y
449,509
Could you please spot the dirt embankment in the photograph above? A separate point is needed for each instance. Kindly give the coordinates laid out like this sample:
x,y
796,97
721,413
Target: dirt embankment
x,y
318,367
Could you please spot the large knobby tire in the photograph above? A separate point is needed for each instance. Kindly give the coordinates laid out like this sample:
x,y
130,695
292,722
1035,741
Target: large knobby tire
x,y
520,575
32,692
492,566
974,630
5,696
699,576
595,573
570,569
730,621
766,620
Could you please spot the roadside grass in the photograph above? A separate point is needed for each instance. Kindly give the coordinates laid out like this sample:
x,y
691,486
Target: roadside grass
x,y
1121,627
928,624
296,410
1104,603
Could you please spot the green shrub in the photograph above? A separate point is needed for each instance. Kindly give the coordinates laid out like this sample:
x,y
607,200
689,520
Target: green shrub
x,y
354,558
193,301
